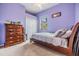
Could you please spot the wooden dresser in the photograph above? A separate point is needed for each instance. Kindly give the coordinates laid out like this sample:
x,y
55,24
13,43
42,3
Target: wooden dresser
x,y
14,34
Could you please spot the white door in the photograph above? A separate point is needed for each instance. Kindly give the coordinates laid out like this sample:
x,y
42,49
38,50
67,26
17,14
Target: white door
x,y
31,27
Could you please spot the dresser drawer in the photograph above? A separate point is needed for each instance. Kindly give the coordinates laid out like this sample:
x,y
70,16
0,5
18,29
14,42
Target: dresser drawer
x,y
10,30
19,33
10,33
19,40
10,38
10,26
19,37
19,27
10,43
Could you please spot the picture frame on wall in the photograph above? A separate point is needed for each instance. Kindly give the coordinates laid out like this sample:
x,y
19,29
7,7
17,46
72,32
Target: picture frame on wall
x,y
58,14
43,23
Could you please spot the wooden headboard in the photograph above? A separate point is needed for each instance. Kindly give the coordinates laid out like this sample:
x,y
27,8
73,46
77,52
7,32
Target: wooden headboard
x,y
74,30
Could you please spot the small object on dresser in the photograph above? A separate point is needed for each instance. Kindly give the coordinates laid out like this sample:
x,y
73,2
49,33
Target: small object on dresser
x,y
13,22
8,22
18,22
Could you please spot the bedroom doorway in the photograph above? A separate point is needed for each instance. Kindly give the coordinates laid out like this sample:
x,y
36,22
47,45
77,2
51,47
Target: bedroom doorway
x,y
31,26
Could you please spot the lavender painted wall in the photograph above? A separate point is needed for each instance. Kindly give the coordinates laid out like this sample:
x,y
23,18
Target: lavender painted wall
x,y
76,12
2,34
13,12
66,20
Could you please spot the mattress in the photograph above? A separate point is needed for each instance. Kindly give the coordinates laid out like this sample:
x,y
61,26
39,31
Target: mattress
x,y
50,38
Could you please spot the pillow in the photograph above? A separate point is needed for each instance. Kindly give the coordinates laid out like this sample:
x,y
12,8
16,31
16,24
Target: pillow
x,y
60,32
67,34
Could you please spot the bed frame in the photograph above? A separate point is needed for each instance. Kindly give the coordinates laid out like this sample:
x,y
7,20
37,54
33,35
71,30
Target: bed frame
x,y
67,51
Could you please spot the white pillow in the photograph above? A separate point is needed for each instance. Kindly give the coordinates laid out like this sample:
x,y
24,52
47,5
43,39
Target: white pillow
x,y
67,34
60,31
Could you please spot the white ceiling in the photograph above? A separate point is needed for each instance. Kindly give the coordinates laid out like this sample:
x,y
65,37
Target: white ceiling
x,y
37,7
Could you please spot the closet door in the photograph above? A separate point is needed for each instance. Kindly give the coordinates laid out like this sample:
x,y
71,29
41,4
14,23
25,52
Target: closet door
x,y
31,27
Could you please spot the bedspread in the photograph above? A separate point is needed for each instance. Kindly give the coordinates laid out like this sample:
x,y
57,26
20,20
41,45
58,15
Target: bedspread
x,y
50,38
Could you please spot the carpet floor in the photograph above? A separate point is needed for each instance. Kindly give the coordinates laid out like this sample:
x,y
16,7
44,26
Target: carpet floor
x,y
37,50
25,49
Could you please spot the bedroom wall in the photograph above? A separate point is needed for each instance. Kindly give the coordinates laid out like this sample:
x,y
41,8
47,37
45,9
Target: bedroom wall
x,y
66,20
13,12
76,12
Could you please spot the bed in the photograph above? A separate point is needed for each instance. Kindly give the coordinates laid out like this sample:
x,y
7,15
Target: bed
x,y
51,39
56,43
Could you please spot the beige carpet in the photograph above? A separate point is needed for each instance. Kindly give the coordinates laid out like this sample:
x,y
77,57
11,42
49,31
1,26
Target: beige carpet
x,y
25,49
36,50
